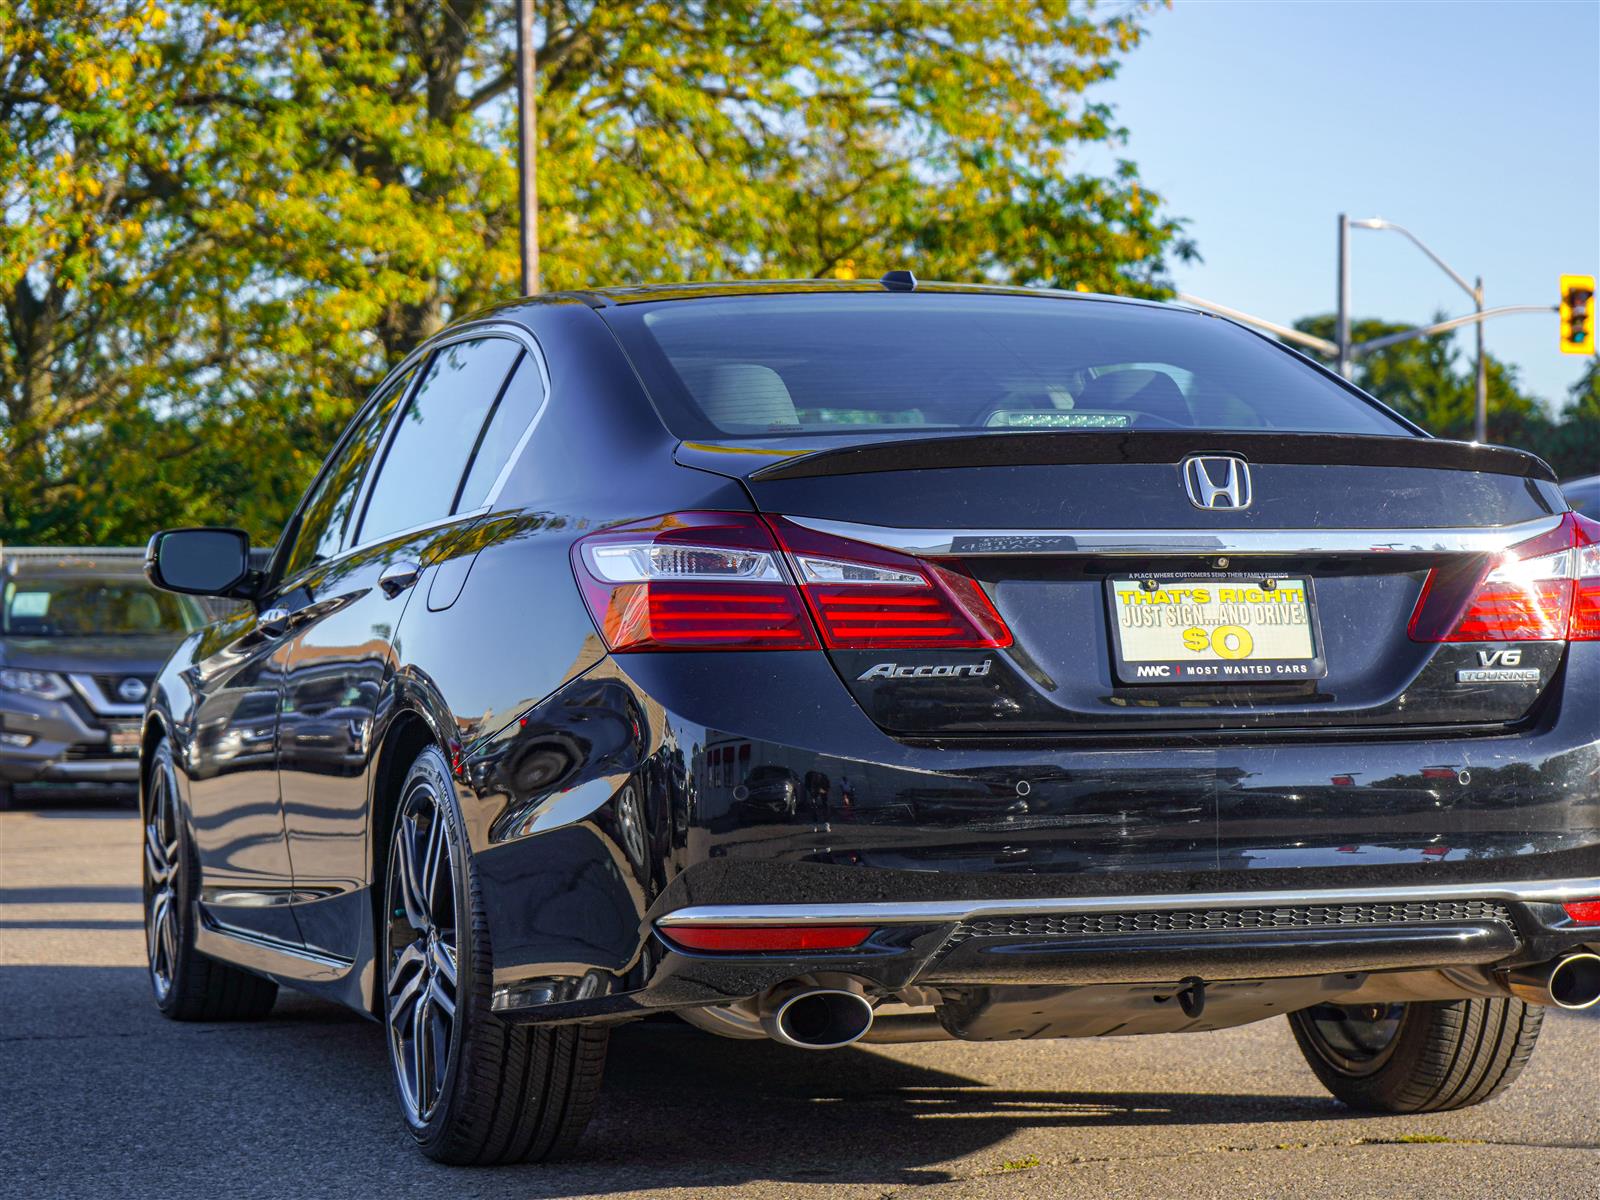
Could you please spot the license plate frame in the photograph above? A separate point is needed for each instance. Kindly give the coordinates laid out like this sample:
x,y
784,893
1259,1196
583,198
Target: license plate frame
x,y
123,737
1208,667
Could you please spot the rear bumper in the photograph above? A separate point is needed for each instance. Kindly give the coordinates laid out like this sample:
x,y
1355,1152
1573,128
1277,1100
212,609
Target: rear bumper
x,y
687,792
1370,943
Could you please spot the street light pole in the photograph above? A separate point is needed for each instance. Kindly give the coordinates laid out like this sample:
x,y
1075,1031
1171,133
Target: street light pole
x,y
527,150
1480,422
1481,419
1341,332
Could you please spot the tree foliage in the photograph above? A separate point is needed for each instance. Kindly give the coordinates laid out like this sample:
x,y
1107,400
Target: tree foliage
x,y
1430,381
222,220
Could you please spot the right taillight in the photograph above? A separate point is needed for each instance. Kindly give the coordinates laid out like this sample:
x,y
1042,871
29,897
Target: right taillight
x,y
1545,590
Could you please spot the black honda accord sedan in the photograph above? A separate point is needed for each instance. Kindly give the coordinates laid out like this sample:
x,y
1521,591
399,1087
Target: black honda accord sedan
x,y
883,661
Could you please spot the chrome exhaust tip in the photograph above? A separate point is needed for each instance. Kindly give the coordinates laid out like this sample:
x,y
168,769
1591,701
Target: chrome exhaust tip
x,y
815,1018
1571,982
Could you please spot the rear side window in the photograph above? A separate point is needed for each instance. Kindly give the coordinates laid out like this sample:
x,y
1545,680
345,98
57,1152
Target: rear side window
x,y
327,511
435,435
762,365
518,404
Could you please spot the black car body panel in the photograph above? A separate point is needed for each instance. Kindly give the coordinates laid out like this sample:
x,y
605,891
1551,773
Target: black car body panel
x,y
605,795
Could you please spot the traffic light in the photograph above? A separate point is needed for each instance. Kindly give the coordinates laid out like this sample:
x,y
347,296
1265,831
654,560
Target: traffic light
x,y
1577,314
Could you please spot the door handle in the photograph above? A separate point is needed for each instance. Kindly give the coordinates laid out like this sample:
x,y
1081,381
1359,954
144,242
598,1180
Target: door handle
x,y
273,621
398,577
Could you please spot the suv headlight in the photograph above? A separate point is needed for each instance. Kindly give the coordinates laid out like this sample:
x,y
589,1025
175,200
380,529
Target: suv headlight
x,y
45,685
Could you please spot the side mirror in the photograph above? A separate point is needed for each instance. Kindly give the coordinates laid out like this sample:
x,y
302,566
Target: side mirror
x,y
201,562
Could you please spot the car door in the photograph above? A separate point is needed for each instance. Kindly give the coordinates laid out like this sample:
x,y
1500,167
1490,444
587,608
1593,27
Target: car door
x,y
342,659
238,689
246,877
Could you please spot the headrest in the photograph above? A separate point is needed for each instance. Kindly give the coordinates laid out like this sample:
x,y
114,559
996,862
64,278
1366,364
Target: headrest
x,y
745,396
1144,391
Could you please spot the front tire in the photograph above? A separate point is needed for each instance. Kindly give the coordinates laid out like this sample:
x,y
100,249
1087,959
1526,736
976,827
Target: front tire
x,y
188,986
474,1089
1420,1057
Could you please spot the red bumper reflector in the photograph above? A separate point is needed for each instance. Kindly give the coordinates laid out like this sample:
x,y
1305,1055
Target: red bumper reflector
x,y
763,938
1584,912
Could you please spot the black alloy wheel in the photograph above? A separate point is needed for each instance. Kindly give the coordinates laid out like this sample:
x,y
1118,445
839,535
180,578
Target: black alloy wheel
x,y
475,1088
163,862
1355,1040
1423,1056
422,949
188,986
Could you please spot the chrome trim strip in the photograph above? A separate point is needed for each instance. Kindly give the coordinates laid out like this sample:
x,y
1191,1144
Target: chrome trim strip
x,y
261,941
1202,542
940,912
102,704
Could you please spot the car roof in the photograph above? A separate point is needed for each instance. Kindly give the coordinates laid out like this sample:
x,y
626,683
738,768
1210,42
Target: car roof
x,y
119,562
609,297
808,287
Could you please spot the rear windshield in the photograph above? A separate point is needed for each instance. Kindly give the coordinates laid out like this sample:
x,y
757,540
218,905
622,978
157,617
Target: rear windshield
x,y
754,366
85,607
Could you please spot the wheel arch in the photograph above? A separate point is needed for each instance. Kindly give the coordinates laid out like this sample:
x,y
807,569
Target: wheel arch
x,y
407,734
155,728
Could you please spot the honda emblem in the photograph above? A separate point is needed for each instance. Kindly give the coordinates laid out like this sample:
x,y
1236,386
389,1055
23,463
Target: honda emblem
x,y
1217,481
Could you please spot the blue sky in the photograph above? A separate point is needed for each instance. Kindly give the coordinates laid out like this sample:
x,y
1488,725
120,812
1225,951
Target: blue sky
x,y
1476,125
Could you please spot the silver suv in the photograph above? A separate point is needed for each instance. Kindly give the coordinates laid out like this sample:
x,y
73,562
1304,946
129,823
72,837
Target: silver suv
x,y
82,636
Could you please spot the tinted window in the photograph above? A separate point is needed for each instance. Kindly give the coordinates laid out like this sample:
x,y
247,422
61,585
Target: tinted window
x,y
80,606
327,512
747,366
435,434
507,423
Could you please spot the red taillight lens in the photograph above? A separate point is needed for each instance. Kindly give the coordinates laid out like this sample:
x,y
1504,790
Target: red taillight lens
x,y
868,598
691,581
727,581
1584,912
1545,590
765,938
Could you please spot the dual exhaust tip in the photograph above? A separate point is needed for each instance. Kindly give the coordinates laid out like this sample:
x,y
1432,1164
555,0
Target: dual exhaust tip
x,y
1572,982
811,1017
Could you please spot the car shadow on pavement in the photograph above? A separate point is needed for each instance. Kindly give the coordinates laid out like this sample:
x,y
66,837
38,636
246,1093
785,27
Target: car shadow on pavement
x,y
308,1090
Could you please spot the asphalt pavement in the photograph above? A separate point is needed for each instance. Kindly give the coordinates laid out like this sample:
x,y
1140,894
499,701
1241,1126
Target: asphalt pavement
x,y
99,1096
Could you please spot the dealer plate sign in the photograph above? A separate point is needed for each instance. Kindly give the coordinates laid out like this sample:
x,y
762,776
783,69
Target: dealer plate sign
x,y
1214,629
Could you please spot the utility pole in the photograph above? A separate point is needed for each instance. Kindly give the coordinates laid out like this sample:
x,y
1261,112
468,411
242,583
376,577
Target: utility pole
x,y
1480,423
1341,332
527,149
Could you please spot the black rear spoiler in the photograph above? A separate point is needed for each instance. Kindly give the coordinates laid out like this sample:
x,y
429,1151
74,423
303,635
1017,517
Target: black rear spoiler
x,y
804,457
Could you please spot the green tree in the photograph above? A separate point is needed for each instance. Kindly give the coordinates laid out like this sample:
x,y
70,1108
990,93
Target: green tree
x,y
1429,381
222,220
1432,383
1574,447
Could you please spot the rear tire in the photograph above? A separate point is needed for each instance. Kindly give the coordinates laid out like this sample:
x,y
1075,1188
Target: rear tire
x,y
1419,1057
188,986
475,1090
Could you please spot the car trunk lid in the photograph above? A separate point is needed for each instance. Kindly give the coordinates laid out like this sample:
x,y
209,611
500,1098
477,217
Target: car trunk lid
x,y
1078,538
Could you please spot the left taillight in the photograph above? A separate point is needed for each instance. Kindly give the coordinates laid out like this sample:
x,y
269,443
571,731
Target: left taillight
x,y
691,581
736,581
870,598
1544,590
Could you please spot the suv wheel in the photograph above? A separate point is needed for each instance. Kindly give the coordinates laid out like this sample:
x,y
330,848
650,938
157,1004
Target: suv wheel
x,y
188,986
1419,1057
474,1089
